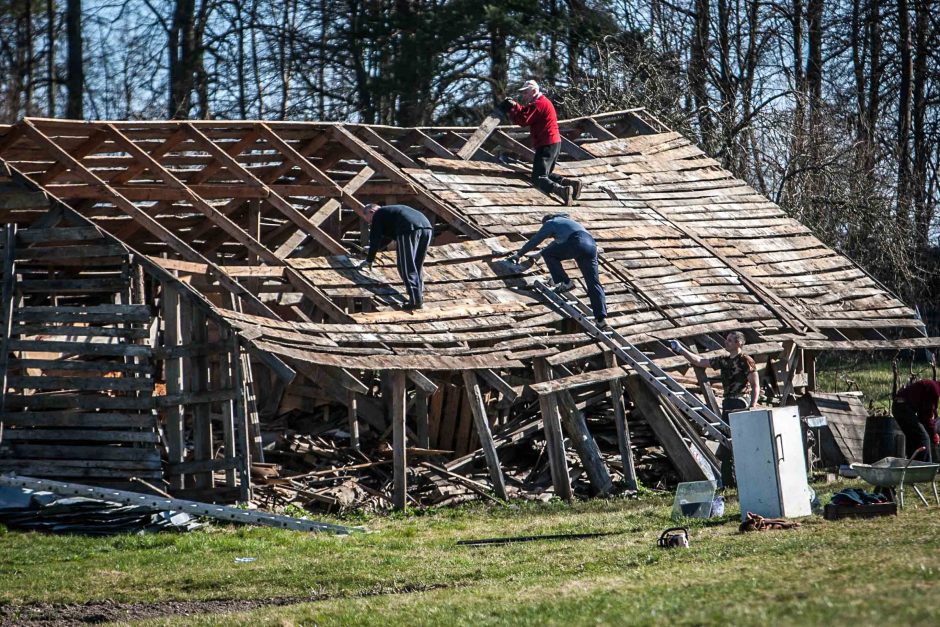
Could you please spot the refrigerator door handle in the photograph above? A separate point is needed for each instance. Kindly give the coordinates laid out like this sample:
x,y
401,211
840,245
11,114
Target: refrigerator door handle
x,y
779,439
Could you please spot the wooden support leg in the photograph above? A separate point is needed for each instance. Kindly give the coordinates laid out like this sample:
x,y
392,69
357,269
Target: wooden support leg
x,y
620,420
227,381
199,383
553,436
242,444
421,415
174,382
584,444
397,412
810,371
483,430
351,407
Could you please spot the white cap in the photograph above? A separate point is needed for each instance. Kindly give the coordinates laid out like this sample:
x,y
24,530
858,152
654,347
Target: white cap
x,y
530,84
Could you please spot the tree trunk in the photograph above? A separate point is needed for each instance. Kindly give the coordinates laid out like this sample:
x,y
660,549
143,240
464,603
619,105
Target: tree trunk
x,y
904,118
50,58
698,74
923,214
76,67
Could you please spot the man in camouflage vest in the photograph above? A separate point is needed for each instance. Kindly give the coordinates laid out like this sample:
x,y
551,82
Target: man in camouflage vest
x,y
739,383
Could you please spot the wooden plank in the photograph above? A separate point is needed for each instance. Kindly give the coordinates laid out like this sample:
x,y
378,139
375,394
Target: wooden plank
x,y
173,370
62,434
353,419
480,135
623,428
7,305
91,453
70,418
421,418
483,430
584,444
81,348
197,384
53,383
400,463
554,440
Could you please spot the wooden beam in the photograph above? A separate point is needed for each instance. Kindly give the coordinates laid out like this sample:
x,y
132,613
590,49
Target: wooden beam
x,y
383,165
623,428
483,430
554,439
584,444
400,463
222,221
353,418
480,135
273,198
148,222
499,384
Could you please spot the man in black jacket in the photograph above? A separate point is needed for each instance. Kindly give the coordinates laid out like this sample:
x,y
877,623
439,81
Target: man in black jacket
x,y
411,232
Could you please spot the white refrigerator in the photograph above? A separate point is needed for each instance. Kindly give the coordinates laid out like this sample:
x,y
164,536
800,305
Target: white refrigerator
x,y
770,463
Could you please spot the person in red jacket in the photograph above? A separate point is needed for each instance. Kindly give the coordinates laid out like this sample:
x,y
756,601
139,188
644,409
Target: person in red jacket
x,y
538,113
915,409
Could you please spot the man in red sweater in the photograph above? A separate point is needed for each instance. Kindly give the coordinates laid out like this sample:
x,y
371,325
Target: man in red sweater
x,y
915,409
538,113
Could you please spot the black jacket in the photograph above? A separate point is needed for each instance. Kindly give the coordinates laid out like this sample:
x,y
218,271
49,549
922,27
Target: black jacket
x,y
391,221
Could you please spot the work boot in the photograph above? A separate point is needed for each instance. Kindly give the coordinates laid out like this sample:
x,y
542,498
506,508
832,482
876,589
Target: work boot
x,y
576,189
567,195
603,326
412,306
564,286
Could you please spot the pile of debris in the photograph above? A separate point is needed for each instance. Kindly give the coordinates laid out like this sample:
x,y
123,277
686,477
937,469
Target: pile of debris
x,y
309,462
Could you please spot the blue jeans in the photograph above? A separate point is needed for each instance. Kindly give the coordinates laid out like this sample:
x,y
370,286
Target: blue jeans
x,y
581,247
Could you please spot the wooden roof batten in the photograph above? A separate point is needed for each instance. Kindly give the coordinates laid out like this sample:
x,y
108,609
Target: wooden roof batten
x,y
660,208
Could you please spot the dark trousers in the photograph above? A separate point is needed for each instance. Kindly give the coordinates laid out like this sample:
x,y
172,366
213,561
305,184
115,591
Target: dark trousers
x,y
728,405
542,166
581,247
412,247
915,434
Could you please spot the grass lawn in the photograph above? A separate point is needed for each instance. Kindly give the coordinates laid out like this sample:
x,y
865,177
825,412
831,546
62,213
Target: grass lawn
x,y
860,372
409,571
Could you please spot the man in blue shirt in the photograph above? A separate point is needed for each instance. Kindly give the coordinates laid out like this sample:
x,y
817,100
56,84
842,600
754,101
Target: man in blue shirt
x,y
572,241
411,232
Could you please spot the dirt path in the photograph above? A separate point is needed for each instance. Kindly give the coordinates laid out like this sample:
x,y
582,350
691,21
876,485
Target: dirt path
x,y
96,612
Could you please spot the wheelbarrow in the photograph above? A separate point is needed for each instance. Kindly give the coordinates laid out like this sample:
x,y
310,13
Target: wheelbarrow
x,y
892,473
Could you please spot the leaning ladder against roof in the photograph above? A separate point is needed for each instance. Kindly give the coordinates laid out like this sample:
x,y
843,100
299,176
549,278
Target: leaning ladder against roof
x,y
654,376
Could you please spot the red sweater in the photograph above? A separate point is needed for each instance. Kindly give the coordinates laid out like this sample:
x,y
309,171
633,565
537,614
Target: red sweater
x,y
922,396
539,115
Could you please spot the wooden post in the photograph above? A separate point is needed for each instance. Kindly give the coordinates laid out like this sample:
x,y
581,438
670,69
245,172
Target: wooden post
x,y
620,420
554,439
353,419
227,381
199,383
483,430
421,416
584,444
400,463
242,445
172,336
810,371
7,301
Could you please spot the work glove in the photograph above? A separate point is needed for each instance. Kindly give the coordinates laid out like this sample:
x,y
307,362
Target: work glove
x,y
675,345
506,105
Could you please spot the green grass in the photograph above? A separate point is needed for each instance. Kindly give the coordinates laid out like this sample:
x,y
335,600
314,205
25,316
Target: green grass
x,y
409,571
